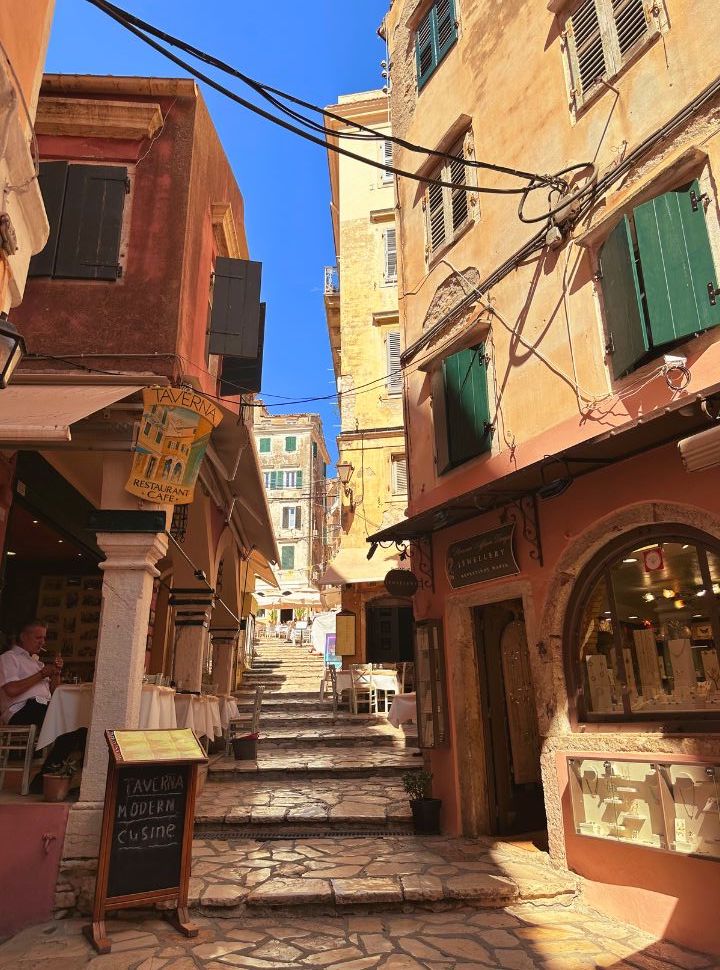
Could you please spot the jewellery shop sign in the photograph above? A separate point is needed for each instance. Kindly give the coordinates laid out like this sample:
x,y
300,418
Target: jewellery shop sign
x,y
483,557
174,433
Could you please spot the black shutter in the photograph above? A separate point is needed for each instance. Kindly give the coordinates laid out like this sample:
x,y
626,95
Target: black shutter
x,y
243,375
52,178
235,317
89,244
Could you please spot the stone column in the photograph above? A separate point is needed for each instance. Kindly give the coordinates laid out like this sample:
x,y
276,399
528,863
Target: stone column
x,y
223,649
128,573
192,635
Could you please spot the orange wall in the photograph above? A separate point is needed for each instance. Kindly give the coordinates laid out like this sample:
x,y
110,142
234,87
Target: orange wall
x,y
24,32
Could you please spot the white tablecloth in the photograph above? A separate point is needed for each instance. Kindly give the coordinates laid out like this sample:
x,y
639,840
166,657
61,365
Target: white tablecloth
x,y
383,680
71,706
403,709
228,710
199,712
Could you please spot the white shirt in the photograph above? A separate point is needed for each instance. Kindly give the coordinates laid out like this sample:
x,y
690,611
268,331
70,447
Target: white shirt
x,y
17,664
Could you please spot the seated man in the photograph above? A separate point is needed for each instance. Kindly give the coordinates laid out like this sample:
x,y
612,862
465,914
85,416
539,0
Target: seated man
x,y
26,685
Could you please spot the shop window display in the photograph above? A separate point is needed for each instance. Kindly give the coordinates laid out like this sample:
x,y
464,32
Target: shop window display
x,y
656,805
647,632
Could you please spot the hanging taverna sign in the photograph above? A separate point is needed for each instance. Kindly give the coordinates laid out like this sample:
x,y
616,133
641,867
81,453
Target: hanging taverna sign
x,y
174,432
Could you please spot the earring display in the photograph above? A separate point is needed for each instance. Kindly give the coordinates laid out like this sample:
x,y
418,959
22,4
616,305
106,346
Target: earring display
x,y
633,801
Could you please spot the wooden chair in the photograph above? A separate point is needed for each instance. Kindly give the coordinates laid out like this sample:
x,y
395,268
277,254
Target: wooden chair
x,y
363,688
18,738
246,723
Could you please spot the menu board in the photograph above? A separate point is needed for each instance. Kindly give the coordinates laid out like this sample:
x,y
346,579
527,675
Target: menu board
x,y
70,606
141,746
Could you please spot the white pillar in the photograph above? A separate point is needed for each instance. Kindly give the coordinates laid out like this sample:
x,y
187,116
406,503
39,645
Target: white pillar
x,y
192,635
128,574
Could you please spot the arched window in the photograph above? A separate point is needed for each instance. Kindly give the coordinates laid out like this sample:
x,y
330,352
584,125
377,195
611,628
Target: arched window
x,y
643,628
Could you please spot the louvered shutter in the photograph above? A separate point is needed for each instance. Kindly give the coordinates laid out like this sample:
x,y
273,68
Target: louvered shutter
x,y
394,371
622,299
440,424
458,197
466,402
264,446
291,443
631,25
399,475
677,265
585,48
298,517
390,256
425,51
235,316
435,216
243,375
446,31
298,479
387,157
52,179
287,557
88,246
286,518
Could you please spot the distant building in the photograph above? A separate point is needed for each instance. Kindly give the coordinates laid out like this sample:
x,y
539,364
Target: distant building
x,y
294,459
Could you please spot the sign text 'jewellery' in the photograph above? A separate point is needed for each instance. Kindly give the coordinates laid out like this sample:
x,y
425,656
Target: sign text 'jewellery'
x,y
174,433
483,557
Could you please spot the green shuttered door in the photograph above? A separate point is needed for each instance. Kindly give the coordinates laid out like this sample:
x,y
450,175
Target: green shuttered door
x,y
466,402
623,303
677,265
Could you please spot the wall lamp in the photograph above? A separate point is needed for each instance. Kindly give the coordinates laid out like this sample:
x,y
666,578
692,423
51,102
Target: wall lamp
x,y
12,349
554,482
345,472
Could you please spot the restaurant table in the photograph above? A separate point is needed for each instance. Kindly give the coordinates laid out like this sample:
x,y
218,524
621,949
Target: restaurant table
x,y
385,680
228,710
403,709
201,713
70,708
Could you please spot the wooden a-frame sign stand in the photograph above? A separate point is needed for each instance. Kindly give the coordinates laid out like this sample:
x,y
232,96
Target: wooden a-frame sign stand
x,y
147,826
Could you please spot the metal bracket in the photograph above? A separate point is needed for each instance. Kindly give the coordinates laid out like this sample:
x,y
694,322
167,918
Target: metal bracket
x,y
713,293
421,549
696,199
523,511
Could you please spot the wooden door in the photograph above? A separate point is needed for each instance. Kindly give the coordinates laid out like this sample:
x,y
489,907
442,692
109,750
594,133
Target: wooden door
x,y
389,634
512,750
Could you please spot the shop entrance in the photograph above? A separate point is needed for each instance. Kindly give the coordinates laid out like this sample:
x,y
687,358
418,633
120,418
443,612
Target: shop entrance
x,y
512,748
389,634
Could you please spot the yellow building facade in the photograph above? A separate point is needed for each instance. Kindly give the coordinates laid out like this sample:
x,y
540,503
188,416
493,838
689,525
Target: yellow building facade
x,y
361,302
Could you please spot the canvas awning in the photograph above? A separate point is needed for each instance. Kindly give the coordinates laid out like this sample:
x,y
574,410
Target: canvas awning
x,y
262,570
43,414
353,566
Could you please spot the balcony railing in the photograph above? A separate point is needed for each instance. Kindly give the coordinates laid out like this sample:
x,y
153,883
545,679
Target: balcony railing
x,y
332,280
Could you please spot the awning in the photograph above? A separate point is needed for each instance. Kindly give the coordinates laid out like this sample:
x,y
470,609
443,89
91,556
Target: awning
x,y
37,414
659,427
353,566
262,570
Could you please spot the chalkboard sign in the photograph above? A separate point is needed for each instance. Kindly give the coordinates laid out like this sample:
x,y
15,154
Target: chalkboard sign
x,y
146,837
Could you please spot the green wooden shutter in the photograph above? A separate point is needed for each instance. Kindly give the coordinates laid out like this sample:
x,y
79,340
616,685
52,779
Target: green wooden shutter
x,y
273,479
287,557
89,241
445,29
264,445
291,443
466,402
677,264
52,179
623,303
425,49
298,479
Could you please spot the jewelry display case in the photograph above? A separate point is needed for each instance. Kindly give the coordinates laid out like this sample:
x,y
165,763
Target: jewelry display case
x,y
657,805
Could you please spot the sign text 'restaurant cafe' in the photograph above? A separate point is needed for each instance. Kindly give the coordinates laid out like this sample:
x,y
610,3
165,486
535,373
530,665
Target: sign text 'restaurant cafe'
x,y
483,557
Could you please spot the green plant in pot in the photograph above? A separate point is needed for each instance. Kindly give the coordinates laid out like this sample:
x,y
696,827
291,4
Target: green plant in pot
x,y
425,809
56,780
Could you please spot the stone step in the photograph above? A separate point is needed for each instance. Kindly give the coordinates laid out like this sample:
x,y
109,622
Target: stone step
x,y
335,737
318,716
318,762
390,873
287,694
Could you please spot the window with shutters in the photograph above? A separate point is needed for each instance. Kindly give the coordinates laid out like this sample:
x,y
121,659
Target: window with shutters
x,y
658,277
290,479
84,205
398,466
292,517
435,36
603,35
461,412
236,319
447,210
387,159
394,369
291,443
391,263
287,557
265,446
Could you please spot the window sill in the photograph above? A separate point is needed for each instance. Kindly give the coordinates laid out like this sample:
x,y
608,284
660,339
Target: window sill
x,y
436,256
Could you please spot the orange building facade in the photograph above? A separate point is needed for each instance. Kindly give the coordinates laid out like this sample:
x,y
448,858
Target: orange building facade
x,y
561,395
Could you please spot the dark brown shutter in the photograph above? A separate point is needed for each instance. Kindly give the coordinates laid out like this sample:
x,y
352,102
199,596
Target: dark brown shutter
x,y
52,178
243,375
89,243
235,318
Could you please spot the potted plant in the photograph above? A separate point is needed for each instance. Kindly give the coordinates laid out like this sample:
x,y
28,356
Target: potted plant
x,y
425,808
56,781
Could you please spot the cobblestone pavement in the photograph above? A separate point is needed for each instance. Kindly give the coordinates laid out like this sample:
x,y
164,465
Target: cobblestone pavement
x,y
526,937
302,801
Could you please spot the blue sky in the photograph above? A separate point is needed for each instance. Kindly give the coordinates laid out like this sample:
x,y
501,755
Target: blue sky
x,y
316,50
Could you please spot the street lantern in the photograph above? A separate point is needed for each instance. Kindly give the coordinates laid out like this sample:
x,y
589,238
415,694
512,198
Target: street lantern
x,y
345,472
12,349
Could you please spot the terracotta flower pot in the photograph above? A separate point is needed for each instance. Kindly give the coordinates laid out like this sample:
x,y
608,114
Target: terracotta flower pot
x,y
55,787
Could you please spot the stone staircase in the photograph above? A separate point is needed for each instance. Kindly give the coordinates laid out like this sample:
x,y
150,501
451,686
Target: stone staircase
x,y
321,822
